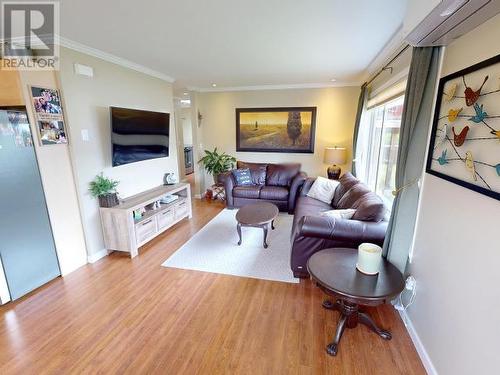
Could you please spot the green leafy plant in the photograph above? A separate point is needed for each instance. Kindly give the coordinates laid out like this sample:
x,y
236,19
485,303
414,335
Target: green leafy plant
x,y
216,163
102,186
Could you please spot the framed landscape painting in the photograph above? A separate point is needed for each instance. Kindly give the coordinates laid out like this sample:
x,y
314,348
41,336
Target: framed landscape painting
x,y
287,129
465,140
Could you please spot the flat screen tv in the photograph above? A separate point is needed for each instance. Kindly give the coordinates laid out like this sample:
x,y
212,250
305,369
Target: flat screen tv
x,y
138,135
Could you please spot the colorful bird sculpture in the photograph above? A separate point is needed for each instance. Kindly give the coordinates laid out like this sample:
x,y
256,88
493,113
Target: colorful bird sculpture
x,y
442,159
472,96
480,114
497,133
450,94
469,163
442,135
459,139
453,114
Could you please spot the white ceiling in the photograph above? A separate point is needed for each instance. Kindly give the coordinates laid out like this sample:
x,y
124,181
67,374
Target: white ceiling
x,y
237,43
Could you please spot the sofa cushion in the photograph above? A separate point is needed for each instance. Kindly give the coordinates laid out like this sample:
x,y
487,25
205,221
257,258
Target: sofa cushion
x,y
281,174
352,195
257,170
242,177
346,213
346,182
323,189
277,193
250,192
369,207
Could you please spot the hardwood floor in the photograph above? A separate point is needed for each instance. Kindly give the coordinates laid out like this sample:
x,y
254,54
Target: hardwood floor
x,y
123,316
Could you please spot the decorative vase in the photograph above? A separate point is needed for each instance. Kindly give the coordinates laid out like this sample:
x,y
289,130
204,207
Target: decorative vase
x,y
369,258
108,200
219,178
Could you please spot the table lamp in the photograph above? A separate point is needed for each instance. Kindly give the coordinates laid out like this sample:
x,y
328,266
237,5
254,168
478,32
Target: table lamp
x,y
334,156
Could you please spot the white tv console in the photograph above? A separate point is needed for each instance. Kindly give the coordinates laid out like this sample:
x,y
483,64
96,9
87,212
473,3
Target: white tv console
x,y
124,233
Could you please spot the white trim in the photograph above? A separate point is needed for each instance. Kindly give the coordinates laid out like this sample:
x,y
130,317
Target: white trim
x,y
197,196
275,87
99,255
422,353
4,289
67,43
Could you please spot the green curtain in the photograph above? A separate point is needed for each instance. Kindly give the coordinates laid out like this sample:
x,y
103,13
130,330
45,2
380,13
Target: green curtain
x,y
415,123
359,113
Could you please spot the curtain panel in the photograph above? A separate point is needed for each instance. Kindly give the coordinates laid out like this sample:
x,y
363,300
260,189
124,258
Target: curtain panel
x,y
415,124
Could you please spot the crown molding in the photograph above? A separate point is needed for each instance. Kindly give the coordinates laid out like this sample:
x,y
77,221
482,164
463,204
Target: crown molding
x,y
274,87
79,47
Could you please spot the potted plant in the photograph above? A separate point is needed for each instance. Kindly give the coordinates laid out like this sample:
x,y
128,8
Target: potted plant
x,y
216,163
104,189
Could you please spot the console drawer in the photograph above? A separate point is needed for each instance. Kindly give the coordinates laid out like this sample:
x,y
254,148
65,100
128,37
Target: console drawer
x,y
145,230
181,209
165,218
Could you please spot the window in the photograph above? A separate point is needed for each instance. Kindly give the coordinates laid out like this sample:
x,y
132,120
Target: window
x,y
377,147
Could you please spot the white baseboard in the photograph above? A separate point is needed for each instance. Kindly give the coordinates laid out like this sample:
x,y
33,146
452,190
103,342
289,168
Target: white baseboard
x,y
424,356
197,196
95,257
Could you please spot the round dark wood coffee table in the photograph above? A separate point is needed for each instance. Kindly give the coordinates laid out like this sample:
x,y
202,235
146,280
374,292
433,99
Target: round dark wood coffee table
x,y
334,271
258,215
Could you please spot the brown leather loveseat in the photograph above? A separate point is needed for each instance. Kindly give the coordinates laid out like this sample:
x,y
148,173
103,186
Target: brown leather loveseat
x,y
275,183
312,232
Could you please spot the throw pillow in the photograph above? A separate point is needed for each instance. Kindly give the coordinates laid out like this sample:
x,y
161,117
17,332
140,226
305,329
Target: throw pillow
x,y
323,189
347,213
242,177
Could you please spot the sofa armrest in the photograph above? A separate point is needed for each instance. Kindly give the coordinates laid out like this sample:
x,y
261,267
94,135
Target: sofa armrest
x,y
295,187
355,231
307,185
229,184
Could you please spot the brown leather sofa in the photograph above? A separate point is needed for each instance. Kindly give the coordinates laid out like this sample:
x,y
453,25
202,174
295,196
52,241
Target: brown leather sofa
x,y
275,183
312,232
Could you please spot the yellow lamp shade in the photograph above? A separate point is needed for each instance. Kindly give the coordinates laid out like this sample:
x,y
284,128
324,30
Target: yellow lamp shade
x,y
335,155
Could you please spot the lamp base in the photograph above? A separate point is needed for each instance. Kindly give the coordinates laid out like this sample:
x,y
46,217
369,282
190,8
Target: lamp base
x,y
333,172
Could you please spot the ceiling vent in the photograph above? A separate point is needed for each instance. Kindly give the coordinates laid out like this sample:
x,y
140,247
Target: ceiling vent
x,y
451,19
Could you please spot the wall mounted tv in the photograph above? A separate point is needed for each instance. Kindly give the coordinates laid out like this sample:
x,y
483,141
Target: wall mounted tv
x,y
138,135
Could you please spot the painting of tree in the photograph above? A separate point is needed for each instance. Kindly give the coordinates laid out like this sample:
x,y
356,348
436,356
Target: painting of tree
x,y
289,129
294,126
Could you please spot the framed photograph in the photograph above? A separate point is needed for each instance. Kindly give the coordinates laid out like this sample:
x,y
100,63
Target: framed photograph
x,y
288,129
465,140
49,116
52,132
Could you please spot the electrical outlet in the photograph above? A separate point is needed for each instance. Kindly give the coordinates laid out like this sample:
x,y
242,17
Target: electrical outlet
x,y
410,283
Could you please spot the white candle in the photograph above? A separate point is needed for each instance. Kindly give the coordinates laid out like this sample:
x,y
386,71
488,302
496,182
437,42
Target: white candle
x,y
369,258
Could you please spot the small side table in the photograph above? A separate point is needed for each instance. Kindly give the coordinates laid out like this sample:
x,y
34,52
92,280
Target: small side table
x,y
334,271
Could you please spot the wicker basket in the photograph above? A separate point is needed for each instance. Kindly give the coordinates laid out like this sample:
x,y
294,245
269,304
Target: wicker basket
x,y
108,200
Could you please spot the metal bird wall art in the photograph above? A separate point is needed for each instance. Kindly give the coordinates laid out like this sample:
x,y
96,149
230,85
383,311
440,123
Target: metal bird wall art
x,y
442,135
480,114
450,94
472,96
453,114
442,159
469,163
459,139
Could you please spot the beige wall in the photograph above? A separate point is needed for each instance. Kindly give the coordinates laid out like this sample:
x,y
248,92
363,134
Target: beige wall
x,y
87,102
334,123
457,252
55,170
